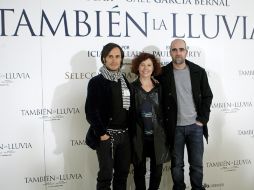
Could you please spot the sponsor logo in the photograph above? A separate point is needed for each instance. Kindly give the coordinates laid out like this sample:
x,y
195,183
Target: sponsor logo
x,y
10,149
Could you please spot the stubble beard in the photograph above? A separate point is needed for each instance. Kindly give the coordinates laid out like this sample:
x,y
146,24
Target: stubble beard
x,y
179,60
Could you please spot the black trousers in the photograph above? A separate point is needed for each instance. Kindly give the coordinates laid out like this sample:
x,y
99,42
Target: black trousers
x,y
114,164
155,170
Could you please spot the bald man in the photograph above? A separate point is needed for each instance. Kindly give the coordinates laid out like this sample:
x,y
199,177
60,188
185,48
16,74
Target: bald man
x,y
187,99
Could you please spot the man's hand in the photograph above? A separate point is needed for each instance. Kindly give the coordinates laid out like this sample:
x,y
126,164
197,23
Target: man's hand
x,y
104,137
199,123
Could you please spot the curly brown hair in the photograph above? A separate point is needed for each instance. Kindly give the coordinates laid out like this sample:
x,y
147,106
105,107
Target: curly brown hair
x,y
142,57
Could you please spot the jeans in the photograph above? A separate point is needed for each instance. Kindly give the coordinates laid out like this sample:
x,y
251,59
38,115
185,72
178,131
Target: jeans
x,y
192,137
155,170
117,161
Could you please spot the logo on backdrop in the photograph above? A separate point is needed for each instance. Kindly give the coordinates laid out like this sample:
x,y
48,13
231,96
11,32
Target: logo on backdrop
x,y
50,114
54,181
245,132
77,142
81,75
213,185
229,165
249,74
119,23
232,107
6,79
9,149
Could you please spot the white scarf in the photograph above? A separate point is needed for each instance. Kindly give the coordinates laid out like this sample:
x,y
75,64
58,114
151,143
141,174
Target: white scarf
x,y
114,76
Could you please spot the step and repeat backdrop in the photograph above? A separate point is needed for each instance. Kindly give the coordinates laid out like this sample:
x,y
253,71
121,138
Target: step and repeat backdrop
x,y
49,50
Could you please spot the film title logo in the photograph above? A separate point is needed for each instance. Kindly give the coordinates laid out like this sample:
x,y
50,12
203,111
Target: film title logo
x,y
6,79
11,148
50,114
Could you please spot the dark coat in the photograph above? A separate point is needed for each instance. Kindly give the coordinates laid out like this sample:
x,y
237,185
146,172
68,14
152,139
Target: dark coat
x,y
161,145
98,108
202,96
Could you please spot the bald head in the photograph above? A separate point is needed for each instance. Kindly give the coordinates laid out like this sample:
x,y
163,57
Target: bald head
x,y
178,52
178,42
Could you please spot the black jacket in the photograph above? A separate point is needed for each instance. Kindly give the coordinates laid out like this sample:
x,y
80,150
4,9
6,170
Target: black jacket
x,y
201,91
161,145
98,109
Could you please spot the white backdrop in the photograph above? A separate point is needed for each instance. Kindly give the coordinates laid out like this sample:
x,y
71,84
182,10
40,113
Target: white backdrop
x,y
50,49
